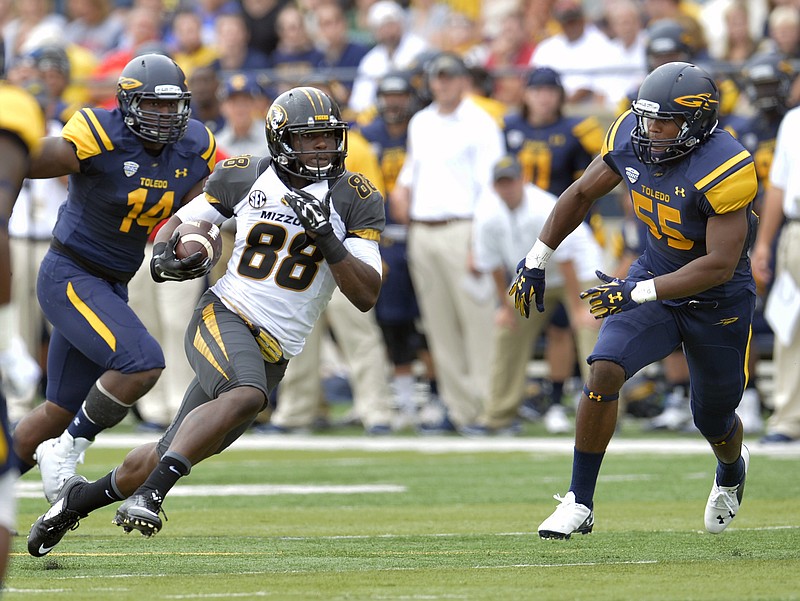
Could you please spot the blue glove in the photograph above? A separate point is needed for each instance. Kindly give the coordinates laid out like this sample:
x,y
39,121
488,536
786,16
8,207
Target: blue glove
x,y
528,285
612,297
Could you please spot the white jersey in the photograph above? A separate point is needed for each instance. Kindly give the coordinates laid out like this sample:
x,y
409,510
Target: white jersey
x,y
275,277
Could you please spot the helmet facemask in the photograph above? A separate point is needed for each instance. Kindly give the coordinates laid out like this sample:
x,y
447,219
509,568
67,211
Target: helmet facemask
x,y
312,163
155,126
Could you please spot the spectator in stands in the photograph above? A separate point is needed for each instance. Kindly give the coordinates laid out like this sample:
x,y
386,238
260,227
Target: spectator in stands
x,y
395,49
625,26
35,20
427,19
740,44
261,17
511,47
579,52
342,54
784,32
209,11
188,48
233,46
295,55
93,25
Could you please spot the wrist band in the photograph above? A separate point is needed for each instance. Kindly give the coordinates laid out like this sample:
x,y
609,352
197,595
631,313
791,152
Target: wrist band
x,y
332,248
538,255
644,291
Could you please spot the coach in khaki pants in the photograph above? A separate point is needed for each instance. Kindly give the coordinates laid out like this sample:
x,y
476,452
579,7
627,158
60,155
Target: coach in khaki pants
x,y
505,223
452,146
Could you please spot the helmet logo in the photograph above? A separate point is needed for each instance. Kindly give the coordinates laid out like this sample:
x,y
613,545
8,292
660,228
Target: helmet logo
x,y
168,90
277,117
128,83
696,100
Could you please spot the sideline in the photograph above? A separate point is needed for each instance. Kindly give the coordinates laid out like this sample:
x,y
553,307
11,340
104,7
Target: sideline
x,y
454,444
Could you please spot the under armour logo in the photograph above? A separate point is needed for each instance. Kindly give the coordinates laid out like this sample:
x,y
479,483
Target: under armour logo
x,y
680,191
593,396
181,172
613,298
722,519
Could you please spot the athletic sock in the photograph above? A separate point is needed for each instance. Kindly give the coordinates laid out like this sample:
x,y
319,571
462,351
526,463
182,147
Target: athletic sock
x,y
83,427
730,474
94,495
585,469
557,393
169,470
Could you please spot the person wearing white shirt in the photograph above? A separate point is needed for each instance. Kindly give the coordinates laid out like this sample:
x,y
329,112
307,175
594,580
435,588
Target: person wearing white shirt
x,y
452,146
580,53
782,201
396,49
508,219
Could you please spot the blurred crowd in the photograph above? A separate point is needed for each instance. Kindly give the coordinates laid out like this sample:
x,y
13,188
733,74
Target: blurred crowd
x,y
547,73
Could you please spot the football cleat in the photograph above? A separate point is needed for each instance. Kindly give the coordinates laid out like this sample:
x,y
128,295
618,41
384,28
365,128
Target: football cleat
x,y
50,528
58,459
140,512
568,518
724,501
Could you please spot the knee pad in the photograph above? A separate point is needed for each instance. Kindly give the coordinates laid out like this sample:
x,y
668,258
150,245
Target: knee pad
x,y
717,429
102,408
599,398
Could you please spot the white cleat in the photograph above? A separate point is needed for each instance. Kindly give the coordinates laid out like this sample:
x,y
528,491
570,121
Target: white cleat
x,y
556,420
568,518
58,459
723,502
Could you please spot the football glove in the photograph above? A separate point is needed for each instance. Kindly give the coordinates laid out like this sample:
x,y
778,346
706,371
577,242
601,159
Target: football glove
x,y
165,266
529,285
312,213
614,296
315,216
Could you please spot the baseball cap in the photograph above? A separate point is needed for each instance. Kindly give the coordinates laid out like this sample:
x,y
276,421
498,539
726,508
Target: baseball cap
x,y
385,11
544,76
240,83
507,167
446,63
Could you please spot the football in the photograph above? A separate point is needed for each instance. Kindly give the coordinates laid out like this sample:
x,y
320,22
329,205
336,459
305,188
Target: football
x,y
199,236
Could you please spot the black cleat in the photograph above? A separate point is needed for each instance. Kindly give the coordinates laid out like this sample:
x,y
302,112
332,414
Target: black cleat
x,y
140,512
50,528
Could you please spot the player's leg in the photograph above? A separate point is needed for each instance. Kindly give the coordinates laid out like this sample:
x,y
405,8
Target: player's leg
x,y
108,334
718,362
8,502
238,382
627,342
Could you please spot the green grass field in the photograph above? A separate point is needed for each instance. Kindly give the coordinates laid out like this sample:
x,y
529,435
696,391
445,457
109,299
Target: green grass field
x,y
449,521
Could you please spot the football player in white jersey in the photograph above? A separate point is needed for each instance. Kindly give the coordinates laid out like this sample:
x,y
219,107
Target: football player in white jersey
x,y
303,226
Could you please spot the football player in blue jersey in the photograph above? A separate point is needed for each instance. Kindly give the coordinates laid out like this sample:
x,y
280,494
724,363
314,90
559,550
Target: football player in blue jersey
x,y
21,129
129,169
304,225
693,185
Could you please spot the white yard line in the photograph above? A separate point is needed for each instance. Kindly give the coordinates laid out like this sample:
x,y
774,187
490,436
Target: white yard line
x,y
455,444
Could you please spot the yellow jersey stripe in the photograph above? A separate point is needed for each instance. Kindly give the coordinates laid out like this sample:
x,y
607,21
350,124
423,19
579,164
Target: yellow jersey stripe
x,y
608,144
80,133
107,144
210,155
722,169
205,351
367,234
210,321
94,320
735,191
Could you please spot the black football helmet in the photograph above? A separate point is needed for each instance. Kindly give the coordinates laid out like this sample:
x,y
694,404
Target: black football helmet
x,y
680,92
154,76
667,41
768,80
396,83
299,111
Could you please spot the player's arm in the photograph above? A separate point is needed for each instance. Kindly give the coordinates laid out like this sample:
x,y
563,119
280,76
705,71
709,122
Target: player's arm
x,y
58,157
574,203
725,238
12,171
359,282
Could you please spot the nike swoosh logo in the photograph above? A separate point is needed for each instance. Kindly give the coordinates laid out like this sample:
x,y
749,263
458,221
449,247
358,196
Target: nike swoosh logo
x,y
172,468
109,495
45,550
